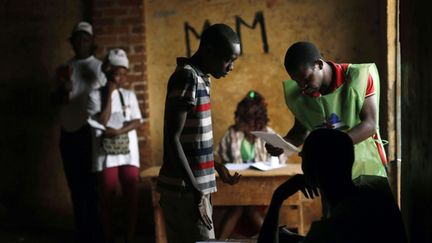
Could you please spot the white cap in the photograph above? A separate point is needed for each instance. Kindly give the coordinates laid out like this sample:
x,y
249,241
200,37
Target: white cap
x,y
118,57
83,27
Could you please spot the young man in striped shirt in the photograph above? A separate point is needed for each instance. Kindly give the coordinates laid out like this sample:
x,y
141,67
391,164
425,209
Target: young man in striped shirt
x,y
187,177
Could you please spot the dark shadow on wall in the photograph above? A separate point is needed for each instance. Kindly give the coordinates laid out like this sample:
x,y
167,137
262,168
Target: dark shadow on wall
x,y
33,189
32,185
416,50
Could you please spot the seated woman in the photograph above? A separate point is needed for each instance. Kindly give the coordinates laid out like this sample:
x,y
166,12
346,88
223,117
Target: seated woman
x,y
238,145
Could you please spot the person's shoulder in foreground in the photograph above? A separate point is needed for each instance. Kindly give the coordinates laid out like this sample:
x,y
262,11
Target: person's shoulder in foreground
x,y
364,216
356,214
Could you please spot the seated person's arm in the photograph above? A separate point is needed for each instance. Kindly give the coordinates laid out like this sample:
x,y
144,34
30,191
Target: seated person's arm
x,y
368,116
270,230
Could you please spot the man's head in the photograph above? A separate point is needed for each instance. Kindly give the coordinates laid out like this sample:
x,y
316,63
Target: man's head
x,y
220,46
327,158
81,40
304,64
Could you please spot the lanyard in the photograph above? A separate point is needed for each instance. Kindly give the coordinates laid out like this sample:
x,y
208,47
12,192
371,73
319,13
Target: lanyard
x,y
122,102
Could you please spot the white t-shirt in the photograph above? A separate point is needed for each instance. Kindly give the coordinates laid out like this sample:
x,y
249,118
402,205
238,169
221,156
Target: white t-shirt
x,y
86,77
101,160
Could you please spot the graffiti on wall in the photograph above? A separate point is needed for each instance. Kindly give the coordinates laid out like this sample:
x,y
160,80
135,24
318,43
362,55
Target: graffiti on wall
x,y
239,22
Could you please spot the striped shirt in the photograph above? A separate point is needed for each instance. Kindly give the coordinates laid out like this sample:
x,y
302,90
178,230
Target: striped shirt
x,y
188,84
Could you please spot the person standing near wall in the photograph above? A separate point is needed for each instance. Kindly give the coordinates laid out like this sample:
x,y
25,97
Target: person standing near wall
x,y
187,177
74,82
116,153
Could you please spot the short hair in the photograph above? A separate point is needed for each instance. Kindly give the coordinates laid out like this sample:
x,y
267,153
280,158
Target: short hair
x,y
79,33
301,54
220,36
252,110
76,34
329,152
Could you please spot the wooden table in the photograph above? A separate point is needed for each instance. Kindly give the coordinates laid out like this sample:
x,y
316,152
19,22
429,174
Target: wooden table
x,y
255,188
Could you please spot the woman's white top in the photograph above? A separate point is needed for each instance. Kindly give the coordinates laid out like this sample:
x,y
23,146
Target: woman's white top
x,y
101,160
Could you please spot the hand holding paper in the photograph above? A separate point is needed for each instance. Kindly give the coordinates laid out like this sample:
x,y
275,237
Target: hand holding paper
x,y
276,140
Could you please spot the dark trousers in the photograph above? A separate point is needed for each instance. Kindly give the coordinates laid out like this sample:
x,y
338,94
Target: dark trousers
x,y
76,152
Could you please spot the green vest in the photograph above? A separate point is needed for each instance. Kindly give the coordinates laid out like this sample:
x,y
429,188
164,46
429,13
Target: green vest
x,y
341,110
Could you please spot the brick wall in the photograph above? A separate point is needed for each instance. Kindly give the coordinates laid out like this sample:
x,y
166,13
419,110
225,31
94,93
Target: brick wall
x,y
120,23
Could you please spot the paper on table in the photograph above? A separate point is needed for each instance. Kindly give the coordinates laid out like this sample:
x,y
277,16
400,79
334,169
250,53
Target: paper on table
x,y
266,166
243,166
263,166
276,140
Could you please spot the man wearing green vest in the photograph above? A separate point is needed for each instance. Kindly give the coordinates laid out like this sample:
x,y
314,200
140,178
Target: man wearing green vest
x,y
339,96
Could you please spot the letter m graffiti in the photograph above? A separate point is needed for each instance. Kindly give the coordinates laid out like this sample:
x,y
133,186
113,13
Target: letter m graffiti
x,y
259,19
189,29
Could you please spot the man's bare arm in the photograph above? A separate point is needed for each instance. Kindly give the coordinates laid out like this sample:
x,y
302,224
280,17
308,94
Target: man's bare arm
x,y
174,123
368,125
297,134
270,229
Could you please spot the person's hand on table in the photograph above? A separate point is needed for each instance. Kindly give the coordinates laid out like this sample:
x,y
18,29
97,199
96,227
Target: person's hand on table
x,y
226,176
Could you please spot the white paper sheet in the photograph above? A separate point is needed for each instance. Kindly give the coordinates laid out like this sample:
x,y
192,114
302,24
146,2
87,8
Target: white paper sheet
x,y
232,166
263,166
276,140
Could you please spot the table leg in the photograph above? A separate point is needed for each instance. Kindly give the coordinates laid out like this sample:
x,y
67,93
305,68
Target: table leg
x,y
160,235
